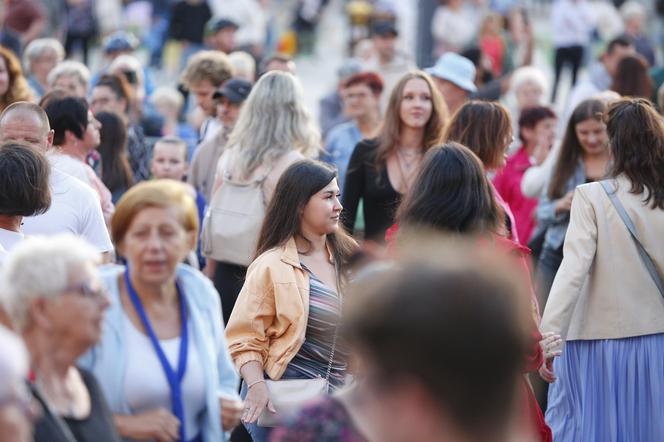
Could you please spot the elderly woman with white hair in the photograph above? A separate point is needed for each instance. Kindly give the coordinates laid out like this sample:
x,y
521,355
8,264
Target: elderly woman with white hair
x,y
71,76
55,300
40,57
528,88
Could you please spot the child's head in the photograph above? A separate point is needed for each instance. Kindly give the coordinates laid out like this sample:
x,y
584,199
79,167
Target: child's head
x,y
169,158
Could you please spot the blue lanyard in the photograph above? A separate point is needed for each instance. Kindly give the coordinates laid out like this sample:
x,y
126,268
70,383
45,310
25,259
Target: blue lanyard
x,y
174,379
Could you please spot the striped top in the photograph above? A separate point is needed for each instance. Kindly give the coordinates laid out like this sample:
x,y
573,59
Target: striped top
x,y
324,316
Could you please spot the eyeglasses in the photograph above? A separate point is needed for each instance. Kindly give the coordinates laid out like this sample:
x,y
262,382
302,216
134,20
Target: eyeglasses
x,y
85,290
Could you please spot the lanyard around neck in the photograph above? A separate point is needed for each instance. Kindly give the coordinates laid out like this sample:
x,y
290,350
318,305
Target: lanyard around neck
x,y
174,378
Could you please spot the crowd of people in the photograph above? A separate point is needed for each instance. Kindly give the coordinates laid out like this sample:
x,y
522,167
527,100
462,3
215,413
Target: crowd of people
x,y
466,251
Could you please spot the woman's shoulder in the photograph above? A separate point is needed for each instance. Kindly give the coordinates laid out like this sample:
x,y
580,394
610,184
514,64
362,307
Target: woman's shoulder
x,y
109,275
367,144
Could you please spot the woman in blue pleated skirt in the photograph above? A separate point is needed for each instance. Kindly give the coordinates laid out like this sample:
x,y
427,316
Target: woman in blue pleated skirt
x,y
607,300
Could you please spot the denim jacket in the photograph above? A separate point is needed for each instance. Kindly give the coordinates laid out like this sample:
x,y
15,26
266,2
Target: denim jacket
x,y
556,225
108,360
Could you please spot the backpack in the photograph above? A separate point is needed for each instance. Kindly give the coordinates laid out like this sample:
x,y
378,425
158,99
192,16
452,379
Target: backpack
x,y
233,221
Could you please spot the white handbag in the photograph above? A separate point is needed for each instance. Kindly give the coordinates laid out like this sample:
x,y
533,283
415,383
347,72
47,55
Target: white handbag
x,y
288,396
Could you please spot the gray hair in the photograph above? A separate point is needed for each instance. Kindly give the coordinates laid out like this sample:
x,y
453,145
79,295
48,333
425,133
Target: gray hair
x,y
632,9
529,74
41,267
243,64
38,47
273,122
69,68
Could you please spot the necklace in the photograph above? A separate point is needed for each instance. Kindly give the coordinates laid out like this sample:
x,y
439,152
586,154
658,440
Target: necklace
x,y
407,177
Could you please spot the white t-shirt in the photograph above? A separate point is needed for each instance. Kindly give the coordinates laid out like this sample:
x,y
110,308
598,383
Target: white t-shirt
x,y
146,386
8,240
74,209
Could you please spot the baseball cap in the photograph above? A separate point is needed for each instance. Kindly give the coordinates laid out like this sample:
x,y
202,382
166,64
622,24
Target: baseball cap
x,y
217,24
236,90
120,41
384,28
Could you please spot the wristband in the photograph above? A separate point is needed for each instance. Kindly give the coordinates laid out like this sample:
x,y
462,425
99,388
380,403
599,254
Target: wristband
x,y
254,383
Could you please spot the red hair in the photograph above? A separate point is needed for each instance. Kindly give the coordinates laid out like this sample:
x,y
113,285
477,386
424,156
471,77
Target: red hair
x,y
373,80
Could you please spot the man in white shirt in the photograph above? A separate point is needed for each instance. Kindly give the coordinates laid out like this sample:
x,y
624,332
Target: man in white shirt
x,y
75,206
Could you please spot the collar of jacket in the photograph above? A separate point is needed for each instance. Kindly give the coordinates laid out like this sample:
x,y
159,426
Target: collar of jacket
x,y
290,255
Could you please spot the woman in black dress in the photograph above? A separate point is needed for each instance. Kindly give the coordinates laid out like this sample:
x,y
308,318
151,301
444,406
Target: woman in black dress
x,y
382,169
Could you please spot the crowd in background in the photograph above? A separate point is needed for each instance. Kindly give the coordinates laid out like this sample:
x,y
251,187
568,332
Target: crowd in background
x,y
464,250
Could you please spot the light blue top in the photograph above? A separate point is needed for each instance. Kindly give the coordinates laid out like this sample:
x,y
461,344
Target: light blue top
x,y
339,146
108,359
556,225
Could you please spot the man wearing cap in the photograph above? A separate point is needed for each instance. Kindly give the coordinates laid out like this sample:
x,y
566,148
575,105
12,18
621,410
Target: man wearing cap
x,y
228,99
117,44
389,62
220,34
454,76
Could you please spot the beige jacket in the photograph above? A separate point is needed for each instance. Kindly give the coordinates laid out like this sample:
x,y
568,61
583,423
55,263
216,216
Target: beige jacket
x,y
269,320
602,289
204,163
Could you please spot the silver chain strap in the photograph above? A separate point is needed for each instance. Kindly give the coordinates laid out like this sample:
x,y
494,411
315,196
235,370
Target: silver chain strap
x,y
334,340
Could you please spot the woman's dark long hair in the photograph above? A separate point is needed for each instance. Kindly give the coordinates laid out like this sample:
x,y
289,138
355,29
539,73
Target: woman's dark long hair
x,y
297,185
570,147
632,77
636,137
450,193
115,170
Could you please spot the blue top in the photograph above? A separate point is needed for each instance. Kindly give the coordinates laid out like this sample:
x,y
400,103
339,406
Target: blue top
x,y
556,225
108,360
339,146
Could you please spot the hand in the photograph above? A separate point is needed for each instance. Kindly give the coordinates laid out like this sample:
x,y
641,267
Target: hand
x,y
231,412
258,397
542,149
564,204
551,344
546,371
158,424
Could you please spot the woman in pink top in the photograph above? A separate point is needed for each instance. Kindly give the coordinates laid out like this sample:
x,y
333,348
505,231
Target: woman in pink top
x,y
537,131
486,129
76,135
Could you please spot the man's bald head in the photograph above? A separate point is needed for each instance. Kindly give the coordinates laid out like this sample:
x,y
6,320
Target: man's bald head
x,y
26,123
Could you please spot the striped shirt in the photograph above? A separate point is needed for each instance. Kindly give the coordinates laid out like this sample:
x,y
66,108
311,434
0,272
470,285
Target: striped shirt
x,y
324,316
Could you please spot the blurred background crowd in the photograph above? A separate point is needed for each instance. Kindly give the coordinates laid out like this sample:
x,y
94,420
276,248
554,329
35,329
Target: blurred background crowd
x,y
243,164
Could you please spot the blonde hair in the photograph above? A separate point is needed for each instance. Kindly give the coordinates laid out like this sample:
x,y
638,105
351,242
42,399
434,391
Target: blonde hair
x,y
18,89
156,193
273,121
212,66
169,96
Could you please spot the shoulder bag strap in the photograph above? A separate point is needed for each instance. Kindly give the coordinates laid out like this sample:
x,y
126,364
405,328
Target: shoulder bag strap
x,y
647,260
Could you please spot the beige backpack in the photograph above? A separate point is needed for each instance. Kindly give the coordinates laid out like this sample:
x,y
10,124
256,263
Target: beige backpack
x,y
233,221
